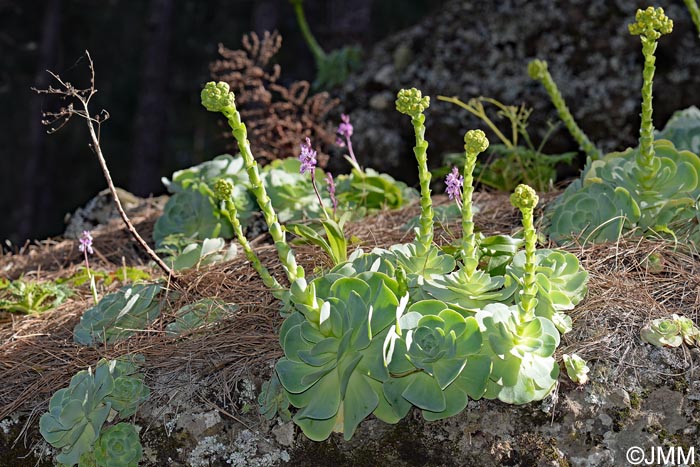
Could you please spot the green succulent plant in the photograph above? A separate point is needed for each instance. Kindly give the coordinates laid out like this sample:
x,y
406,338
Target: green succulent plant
x,y
683,130
332,369
524,369
671,332
419,265
431,355
273,400
198,314
128,394
653,188
470,293
119,446
200,254
663,332
561,284
689,331
370,191
76,414
192,214
576,368
119,315
291,192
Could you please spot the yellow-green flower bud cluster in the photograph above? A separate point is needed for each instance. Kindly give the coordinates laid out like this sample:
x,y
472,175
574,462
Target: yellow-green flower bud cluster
x,y
524,197
651,23
223,189
217,96
412,102
475,142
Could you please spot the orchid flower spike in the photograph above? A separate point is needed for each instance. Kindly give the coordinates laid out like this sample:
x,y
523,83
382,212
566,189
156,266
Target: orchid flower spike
x,y
86,242
307,157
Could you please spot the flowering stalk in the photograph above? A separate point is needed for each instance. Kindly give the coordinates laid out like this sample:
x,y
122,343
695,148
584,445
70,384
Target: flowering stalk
x,y
86,247
475,142
223,190
345,130
525,199
454,182
651,24
537,69
217,97
308,164
694,11
412,103
331,193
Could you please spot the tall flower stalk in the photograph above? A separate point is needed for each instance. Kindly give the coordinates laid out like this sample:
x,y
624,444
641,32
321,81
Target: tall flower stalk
x,y
475,142
537,69
651,24
307,157
411,102
344,132
224,192
525,199
694,11
217,97
86,247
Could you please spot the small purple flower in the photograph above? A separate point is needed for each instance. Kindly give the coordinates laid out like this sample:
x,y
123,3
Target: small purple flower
x,y
307,158
331,190
345,128
454,182
86,242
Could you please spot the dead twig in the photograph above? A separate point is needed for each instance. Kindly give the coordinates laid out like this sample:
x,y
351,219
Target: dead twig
x,y
83,96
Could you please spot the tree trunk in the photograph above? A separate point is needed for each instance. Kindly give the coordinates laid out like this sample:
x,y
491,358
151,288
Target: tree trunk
x,y
27,213
152,109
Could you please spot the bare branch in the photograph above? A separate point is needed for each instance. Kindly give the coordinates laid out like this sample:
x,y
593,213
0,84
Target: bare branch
x,y
57,120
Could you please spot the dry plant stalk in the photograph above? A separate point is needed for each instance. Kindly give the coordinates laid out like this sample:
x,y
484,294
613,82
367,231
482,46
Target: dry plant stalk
x,y
278,117
61,118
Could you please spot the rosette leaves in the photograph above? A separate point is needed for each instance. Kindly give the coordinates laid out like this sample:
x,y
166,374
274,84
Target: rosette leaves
x,y
332,369
119,315
576,368
524,369
198,314
561,284
431,355
76,414
683,130
119,446
470,293
671,332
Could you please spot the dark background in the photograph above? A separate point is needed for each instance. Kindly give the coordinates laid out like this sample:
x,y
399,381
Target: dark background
x,y
151,59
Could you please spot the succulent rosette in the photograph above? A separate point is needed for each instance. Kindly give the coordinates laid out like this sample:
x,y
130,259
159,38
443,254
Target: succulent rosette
x,y
76,414
663,332
561,283
524,369
576,368
431,355
332,369
119,446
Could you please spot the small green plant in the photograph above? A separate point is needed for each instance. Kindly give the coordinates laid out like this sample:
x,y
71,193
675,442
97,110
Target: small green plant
x,y
125,274
516,159
333,68
652,189
77,414
197,255
671,332
198,314
119,446
576,368
119,315
29,297
683,130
